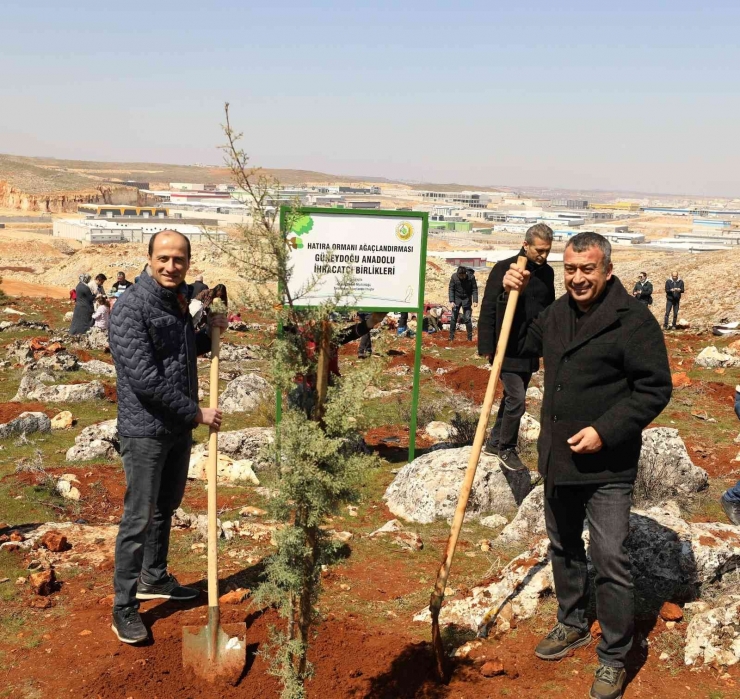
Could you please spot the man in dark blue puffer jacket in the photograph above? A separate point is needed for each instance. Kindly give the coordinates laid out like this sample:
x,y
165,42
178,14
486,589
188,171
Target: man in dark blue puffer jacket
x,y
155,349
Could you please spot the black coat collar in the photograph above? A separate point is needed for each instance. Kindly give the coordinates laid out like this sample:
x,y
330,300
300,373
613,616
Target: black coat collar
x,y
614,304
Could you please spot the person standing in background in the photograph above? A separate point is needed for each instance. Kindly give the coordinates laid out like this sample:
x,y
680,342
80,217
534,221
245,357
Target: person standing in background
x,y
730,499
643,289
463,295
516,371
674,289
82,317
197,287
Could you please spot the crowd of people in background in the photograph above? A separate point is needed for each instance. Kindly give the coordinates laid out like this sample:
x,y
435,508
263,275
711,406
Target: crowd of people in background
x,y
93,305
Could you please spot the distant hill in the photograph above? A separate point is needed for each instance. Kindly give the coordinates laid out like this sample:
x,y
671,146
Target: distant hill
x,y
50,175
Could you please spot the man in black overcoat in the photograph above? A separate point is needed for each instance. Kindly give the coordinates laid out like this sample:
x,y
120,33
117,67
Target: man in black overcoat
x,y
606,378
516,370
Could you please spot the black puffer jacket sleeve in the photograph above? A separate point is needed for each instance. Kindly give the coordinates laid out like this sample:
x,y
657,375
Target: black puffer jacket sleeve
x,y
139,364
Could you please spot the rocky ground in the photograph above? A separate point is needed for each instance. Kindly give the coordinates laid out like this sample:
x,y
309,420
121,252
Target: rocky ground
x,y
62,485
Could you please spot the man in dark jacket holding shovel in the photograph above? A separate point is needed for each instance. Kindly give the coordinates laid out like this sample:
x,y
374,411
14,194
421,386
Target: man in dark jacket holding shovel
x,y
606,378
154,347
516,370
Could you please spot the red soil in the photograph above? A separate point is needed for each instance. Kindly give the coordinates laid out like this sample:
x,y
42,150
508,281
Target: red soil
x,y
394,436
111,394
351,660
471,381
10,411
83,355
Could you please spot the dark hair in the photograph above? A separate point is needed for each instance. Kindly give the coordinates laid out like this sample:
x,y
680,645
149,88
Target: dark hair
x,y
587,240
645,273
101,276
154,237
539,230
462,270
217,290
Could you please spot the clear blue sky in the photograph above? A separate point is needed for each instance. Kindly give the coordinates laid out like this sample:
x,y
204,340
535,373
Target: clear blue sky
x,y
635,95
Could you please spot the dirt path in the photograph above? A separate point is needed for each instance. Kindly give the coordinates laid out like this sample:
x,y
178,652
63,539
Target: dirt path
x,y
13,287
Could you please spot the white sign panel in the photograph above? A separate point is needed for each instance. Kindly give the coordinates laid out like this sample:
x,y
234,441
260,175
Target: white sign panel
x,y
383,252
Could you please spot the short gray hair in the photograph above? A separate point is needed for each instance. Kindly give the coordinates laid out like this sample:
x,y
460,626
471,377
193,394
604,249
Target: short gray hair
x,y
539,230
587,240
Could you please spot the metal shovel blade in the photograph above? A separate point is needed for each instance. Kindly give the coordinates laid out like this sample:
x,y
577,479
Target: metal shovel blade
x,y
215,652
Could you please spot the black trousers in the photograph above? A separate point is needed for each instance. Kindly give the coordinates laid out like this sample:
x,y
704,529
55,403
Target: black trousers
x,y
156,471
365,348
674,304
607,508
505,431
467,313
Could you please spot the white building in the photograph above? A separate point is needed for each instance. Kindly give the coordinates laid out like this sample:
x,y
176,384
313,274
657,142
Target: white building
x,y
96,231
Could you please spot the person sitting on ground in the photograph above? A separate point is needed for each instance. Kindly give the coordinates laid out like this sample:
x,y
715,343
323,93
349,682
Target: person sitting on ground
x,y
674,289
197,287
96,286
121,283
730,499
82,317
463,294
155,351
643,289
101,317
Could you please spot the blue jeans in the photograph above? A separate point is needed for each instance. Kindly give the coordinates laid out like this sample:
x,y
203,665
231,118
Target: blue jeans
x,y
156,471
607,508
733,494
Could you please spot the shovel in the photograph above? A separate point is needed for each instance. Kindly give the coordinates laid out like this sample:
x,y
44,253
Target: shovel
x,y
435,603
215,650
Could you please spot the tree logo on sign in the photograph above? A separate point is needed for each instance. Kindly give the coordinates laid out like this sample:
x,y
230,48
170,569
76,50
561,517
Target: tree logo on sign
x,y
301,226
404,231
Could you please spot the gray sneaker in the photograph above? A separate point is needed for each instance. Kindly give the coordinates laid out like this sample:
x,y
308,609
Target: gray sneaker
x,y
608,682
731,508
560,641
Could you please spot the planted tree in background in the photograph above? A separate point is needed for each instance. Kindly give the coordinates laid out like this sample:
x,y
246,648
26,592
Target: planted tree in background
x,y
318,459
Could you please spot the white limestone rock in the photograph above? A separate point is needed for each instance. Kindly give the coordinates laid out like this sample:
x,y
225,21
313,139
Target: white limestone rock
x,y
98,441
32,388
228,470
664,454
529,521
713,636
439,431
711,358
428,488
244,394
95,366
515,593
494,521
25,423
248,443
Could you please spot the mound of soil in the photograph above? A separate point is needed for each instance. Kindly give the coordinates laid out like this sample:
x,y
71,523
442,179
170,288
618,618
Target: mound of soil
x,y
10,411
471,381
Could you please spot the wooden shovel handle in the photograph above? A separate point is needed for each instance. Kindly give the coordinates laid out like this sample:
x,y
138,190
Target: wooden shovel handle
x,y
212,475
480,433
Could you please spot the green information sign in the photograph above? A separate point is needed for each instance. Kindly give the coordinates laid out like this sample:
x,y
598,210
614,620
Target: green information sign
x,y
385,251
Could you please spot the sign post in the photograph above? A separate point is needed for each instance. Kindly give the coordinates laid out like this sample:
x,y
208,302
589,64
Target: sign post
x,y
385,251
